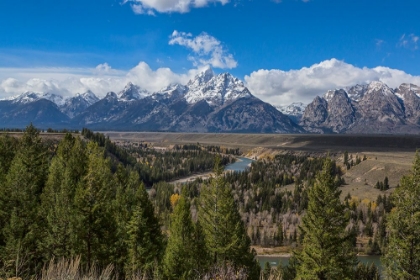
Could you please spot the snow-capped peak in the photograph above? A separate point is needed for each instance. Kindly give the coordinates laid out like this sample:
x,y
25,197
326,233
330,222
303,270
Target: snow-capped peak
x,y
216,91
29,97
89,97
294,109
173,89
329,95
356,92
132,92
377,86
201,78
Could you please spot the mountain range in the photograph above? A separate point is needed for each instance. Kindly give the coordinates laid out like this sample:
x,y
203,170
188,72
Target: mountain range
x,y
220,103
208,103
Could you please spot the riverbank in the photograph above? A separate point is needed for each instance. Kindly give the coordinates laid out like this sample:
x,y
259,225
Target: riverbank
x,y
239,165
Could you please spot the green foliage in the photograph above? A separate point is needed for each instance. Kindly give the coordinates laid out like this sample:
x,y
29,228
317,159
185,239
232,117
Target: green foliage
x,y
327,252
145,240
57,209
20,199
383,186
266,271
122,155
367,272
224,231
95,227
186,256
402,257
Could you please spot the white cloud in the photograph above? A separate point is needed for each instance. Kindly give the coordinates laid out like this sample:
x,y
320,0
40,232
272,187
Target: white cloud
x,y
100,80
284,87
169,6
409,41
275,86
207,50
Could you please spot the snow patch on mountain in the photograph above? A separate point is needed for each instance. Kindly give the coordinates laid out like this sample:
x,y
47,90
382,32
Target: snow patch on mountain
x,y
171,90
215,90
132,92
29,97
379,87
294,109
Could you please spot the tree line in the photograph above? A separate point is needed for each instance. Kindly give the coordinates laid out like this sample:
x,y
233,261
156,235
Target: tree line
x,y
68,200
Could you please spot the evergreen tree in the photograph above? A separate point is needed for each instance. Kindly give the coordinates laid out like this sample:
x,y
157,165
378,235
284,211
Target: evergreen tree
x,y
127,184
224,231
279,235
57,208
144,240
20,200
402,257
266,271
95,226
180,260
386,184
8,147
367,272
327,251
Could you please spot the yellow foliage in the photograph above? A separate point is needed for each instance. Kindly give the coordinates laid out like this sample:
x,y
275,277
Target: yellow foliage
x,y
366,201
354,201
373,206
174,200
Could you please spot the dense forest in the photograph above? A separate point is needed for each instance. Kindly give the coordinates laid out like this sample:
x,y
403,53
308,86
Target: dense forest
x,y
79,209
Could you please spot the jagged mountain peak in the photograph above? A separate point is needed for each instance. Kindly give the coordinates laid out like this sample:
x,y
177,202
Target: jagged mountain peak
x,y
332,93
28,97
217,91
409,87
379,87
356,92
132,92
203,77
294,111
173,89
88,96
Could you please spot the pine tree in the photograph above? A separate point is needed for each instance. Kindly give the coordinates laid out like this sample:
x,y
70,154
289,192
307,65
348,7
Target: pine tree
x,y
279,236
127,184
225,234
386,184
402,257
144,241
94,223
327,251
57,208
24,183
8,147
180,260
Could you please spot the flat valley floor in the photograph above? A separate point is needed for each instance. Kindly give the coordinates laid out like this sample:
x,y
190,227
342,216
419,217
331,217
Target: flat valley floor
x,y
387,155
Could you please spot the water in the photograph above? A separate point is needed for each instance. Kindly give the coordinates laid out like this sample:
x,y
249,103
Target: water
x,y
275,260
240,165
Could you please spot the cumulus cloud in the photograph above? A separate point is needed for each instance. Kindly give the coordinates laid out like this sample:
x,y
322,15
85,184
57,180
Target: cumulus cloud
x,y
169,6
100,80
207,50
280,87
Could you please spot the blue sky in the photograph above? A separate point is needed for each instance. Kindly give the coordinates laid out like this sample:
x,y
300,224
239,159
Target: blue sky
x,y
58,41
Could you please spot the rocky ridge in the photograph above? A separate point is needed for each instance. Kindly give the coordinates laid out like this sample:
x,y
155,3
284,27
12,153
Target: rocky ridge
x,y
372,108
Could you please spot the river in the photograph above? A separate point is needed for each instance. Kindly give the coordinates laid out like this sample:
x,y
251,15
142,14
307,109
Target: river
x,y
284,260
241,164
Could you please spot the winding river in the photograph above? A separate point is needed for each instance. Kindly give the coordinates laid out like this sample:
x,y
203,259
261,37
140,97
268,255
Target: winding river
x,y
240,165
